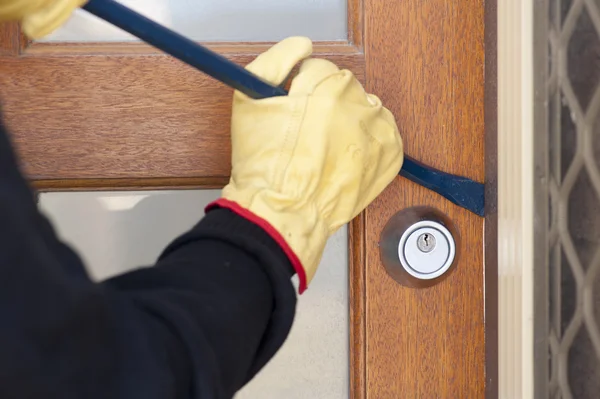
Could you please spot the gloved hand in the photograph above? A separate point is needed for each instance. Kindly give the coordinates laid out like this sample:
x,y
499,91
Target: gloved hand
x,y
38,17
307,163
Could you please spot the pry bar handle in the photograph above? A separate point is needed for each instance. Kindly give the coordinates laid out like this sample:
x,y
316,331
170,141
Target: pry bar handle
x,y
461,191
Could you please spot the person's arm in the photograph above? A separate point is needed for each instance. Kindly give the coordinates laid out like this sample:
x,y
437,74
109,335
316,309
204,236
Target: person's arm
x,y
200,324
219,303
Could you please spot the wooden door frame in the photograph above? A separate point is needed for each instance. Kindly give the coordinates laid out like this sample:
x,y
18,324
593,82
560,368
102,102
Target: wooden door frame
x,y
366,53
491,200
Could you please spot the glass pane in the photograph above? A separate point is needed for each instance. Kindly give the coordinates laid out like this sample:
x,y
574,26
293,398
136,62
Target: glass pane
x,y
222,20
114,232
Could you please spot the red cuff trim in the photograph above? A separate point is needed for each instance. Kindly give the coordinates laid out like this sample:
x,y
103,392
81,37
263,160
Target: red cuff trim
x,y
270,230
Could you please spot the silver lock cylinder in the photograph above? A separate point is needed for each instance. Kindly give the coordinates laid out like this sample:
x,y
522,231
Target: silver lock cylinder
x,y
418,246
426,250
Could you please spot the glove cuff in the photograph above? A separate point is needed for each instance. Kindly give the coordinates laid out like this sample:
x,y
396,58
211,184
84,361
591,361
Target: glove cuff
x,y
270,230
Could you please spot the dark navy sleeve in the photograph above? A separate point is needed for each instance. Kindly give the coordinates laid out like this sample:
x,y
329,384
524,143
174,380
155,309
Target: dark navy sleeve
x,y
200,324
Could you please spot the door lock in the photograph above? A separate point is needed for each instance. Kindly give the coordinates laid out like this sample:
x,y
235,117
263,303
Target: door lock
x,y
426,242
418,246
426,250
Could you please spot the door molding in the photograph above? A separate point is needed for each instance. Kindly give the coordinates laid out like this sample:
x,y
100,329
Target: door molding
x,y
516,201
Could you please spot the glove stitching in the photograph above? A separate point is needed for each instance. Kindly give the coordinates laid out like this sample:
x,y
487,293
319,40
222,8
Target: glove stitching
x,y
290,142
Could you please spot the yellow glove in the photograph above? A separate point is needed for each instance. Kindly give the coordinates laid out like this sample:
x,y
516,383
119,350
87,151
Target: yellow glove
x,y
38,17
307,163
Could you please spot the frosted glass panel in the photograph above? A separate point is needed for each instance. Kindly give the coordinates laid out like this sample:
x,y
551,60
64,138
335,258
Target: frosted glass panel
x,y
222,20
117,231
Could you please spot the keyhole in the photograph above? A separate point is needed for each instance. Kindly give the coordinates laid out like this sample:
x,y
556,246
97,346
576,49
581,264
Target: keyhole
x,y
426,242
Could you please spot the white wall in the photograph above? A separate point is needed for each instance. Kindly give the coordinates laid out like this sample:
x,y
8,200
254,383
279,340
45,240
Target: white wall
x,y
117,231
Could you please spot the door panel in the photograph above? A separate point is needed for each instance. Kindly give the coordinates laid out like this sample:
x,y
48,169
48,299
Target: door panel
x,y
223,20
102,113
121,115
121,233
425,59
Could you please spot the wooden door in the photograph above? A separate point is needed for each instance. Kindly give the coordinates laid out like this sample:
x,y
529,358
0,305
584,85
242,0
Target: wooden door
x,y
124,116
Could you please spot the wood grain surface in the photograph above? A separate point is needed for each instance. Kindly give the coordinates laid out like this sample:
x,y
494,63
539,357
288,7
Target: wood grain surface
x,y
120,116
323,48
425,59
357,256
10,39
491,200
356,22
128,184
